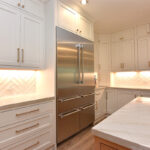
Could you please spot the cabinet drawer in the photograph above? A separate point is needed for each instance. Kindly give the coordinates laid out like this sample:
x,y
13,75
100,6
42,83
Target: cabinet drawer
x,y
34,143
21,114
23,128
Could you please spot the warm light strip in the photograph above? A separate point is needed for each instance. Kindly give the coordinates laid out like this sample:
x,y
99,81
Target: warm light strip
x,y
125,74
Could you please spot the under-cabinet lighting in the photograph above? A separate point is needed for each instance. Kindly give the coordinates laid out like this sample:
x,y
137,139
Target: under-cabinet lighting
x,y
84,2
145,74
126,74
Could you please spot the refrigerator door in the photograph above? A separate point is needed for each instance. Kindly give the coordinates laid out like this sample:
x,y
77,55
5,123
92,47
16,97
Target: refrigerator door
x,y
87,68
67,64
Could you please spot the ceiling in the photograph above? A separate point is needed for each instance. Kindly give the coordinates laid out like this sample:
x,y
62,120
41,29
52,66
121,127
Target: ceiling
x,y
115,15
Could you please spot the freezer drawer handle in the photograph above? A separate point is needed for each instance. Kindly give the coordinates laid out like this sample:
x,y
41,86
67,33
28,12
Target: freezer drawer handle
x,y
68,114
84,108
69,99
88,95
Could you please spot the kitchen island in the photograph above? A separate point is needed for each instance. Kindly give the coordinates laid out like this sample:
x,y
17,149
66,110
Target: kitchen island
x,y
126,129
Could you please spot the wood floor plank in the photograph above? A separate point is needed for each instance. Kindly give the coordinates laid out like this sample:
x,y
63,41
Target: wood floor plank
x,y
82,141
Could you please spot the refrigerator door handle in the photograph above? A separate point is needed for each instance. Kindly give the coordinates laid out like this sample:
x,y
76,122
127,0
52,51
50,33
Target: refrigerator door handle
x,y
82,81
69,114
79,67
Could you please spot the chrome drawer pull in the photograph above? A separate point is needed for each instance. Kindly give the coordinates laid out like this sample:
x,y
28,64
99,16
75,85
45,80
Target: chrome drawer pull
x,y
68,114
84,108
37,143
25,113
28,128
69,99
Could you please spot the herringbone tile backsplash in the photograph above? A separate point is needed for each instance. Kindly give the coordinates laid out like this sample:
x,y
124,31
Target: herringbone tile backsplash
x,y
17,82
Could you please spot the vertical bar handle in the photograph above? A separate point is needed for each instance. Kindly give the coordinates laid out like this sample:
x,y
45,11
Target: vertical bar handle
x,y
22,55
18,55
82,81
79,67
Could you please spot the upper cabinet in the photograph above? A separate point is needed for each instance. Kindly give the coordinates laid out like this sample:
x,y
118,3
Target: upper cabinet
x,y
72,21
143,47
21,36
123,51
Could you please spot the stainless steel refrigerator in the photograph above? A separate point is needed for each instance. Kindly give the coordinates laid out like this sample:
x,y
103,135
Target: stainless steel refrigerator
x,y
75,84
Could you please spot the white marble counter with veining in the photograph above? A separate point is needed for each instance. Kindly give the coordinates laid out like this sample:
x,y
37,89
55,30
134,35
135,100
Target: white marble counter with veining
x,y
22,100
129,126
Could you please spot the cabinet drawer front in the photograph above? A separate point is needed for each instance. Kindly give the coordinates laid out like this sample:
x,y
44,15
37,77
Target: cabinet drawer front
x,y
33,143
15,3
23,128
23,113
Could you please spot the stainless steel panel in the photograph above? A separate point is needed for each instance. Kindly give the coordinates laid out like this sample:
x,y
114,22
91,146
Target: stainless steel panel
x,y
67,64
86,116
68,125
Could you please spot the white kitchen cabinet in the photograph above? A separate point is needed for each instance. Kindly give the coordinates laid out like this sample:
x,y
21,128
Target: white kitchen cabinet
x,y
72,21
31,41
67,18
21,38
104,54
143,53
123,55
9,36
125,96
100,103
112,101
85,27
143,30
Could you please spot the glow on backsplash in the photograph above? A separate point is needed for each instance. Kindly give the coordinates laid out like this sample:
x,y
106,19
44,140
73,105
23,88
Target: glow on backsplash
x,y
131,79
17,82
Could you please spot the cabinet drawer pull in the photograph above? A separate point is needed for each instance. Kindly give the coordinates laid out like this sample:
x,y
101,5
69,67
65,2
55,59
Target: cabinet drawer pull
x,y
37,143
25,113
27,128
22,55
23,6
18,55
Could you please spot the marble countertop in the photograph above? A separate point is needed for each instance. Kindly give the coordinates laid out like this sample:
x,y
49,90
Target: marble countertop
x,y
123,87
129,126
22,100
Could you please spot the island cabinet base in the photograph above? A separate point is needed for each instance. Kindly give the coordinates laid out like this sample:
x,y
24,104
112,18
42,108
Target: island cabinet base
x,y
101,144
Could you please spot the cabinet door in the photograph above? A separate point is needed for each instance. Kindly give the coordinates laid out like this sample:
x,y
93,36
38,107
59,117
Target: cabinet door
x,y
128,55
112,101
100,99
9,36
33,6
143,53
15,3
85,27
67,18
116,54
31,42
125,96
104,56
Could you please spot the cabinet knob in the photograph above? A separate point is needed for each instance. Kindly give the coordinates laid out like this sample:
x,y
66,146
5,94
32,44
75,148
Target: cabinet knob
x,y
19,4
121,38
23,6
77,30
80,31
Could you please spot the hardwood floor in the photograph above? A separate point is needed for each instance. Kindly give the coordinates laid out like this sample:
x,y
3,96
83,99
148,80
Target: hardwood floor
x,y
82,141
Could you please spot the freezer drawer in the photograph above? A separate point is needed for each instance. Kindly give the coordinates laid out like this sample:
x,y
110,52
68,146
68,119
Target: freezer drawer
x,y
67,124
87,99
86,116
65,105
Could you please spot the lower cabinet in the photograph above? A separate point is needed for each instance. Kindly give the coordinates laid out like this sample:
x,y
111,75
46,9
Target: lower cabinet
x,y
30,127
101,144
117,98
100,104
